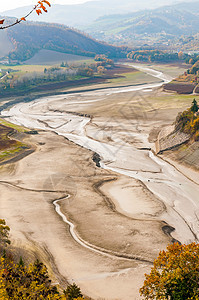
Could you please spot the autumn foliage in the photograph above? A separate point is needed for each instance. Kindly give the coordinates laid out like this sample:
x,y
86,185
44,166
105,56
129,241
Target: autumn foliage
x,y
21,281
188,121
39,8
175,274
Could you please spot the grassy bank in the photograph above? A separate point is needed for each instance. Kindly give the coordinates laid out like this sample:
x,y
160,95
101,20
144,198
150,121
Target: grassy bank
x,y
11,141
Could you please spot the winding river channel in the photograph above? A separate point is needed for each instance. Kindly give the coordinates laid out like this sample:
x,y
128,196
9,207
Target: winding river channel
x,y
176,191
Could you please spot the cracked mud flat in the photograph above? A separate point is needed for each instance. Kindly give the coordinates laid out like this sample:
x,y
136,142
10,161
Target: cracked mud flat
x,y
124,213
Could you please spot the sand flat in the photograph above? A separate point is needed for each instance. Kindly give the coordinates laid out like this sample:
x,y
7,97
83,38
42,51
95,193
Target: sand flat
x,y
119,238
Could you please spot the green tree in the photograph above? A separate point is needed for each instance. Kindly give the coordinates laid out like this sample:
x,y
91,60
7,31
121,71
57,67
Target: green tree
x,y
21,262
175,274
194,107
72,292
4,233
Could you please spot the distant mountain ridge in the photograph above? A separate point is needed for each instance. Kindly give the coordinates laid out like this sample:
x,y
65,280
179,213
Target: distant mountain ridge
x,y
79,15
30,37
168,27
166,23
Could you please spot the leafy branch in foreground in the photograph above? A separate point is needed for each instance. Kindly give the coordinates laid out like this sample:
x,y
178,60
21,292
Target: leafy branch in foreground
x,y
39,7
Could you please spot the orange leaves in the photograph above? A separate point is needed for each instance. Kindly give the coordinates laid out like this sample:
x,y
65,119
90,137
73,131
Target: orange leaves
x,y
47,2
41,5
38,11
39,8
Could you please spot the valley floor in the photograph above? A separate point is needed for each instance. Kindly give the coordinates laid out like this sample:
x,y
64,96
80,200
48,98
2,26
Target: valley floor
x,y
99,227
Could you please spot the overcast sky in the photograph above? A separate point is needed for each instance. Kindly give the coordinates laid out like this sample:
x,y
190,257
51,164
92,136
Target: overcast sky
x,y
10,4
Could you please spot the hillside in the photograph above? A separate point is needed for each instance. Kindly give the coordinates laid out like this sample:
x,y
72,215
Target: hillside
x,y
49,57
160,26
30,37
86,13
5,45
180,142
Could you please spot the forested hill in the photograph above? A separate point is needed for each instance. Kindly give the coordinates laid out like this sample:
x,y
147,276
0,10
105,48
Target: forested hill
x,y
30,37
162,25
